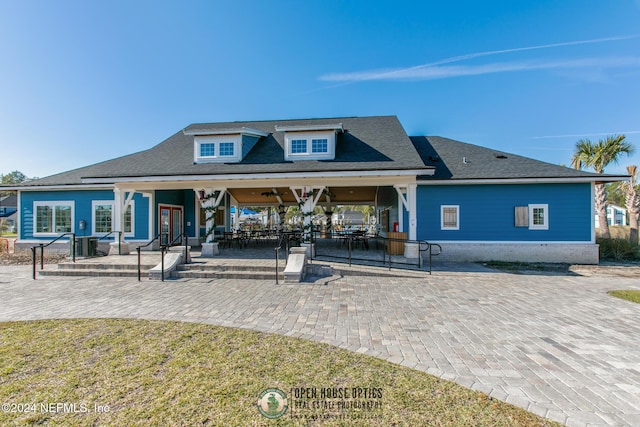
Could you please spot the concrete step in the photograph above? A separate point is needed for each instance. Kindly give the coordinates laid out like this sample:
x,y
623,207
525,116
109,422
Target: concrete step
x,y
98,272
94,266
228,274
230,267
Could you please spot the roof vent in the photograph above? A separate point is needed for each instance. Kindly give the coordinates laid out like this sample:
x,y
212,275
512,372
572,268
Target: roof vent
x,y
435,158
500,156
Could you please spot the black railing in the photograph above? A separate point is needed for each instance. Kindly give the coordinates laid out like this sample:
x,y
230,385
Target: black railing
x,y
390,253
43,245
183,238
281,241
139,248
425,246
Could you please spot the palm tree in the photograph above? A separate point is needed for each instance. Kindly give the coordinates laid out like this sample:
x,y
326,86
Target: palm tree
x,y
632,200
598,156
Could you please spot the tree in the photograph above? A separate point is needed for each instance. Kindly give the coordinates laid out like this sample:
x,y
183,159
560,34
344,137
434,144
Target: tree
x,y
598,156
15,177
632,201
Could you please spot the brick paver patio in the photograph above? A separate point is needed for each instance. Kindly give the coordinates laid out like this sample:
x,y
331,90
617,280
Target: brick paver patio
x,y
558,346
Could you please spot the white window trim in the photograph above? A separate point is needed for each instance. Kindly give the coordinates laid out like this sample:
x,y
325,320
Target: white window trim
x,y
330,154
95,203
53,204
544,226
442,208
236,140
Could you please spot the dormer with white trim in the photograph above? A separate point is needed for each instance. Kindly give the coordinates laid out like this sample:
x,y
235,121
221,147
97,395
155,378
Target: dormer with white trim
x,y
311,142
223,145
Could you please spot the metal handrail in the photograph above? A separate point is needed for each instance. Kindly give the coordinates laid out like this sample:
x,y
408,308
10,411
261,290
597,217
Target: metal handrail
x,y
429,248
42,246
144,246
423,246
281,240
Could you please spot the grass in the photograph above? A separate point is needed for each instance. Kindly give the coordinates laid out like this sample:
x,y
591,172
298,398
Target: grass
x,y
171,373
629,295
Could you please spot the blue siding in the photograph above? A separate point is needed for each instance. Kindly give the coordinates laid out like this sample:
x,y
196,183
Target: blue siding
x,y
82,210
487,211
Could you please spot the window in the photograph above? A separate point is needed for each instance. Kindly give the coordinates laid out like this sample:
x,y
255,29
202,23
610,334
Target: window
x,y
310,145
226,149
298,146
450,217
538,217
319,145
207,150
53,217
103,218
217,148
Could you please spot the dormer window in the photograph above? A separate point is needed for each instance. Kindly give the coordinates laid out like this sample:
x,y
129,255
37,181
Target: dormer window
x,y
223,145
314,142
216,148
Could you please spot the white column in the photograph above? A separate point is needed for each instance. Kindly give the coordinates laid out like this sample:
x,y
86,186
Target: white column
x,y
413,211
307,199
210,203
407,199
118,214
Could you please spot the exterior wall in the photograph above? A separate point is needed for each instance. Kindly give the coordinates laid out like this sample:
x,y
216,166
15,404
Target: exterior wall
x,y
82,200
487,228
487,212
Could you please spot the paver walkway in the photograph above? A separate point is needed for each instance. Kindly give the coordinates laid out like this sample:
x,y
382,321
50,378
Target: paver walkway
x,y
558,346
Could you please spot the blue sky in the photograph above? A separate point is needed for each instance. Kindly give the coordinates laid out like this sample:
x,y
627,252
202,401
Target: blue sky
x,y
86,81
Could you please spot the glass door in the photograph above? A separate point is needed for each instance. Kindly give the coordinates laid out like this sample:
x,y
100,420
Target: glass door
x,y
170,223
176,227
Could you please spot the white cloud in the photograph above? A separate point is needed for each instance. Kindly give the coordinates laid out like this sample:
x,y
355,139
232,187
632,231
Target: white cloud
x,y
442,72
586,135
436,70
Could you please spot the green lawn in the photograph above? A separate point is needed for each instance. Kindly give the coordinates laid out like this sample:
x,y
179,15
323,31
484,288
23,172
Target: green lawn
x,y
629,295
135,372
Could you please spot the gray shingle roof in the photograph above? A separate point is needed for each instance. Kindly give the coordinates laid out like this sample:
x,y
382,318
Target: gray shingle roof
x,y
455,160
368,143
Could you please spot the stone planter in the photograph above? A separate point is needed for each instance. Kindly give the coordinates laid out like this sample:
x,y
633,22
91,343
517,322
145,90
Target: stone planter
x,y
124,248
209,250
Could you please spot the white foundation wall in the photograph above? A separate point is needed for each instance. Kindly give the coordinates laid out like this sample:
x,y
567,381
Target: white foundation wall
x,y
570,253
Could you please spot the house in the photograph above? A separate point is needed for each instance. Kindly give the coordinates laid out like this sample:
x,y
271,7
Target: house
x,y
477,203
616,215
8,215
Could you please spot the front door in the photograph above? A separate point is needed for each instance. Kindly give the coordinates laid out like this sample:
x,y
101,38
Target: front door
x,y
170,224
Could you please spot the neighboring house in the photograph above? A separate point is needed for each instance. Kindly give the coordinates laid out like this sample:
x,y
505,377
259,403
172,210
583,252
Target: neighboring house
x,y
8,212
616,215
478,203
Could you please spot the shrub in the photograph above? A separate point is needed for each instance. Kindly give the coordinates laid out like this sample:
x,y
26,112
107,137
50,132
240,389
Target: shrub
x,y
618,249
